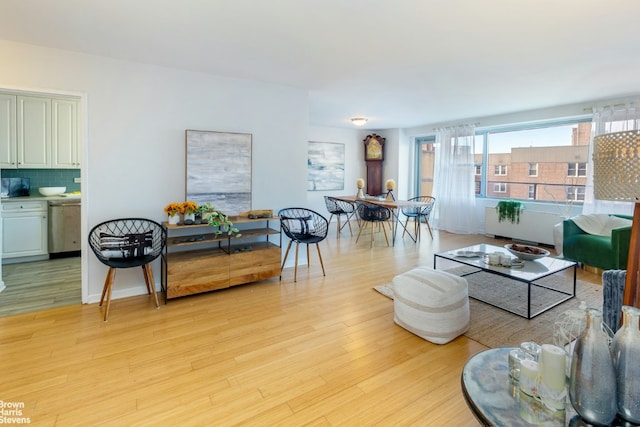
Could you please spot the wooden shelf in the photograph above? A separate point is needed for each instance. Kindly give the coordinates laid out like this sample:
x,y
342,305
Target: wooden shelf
x,y
197,260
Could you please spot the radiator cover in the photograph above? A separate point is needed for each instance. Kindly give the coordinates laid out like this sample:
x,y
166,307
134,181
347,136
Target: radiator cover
x,y
535,227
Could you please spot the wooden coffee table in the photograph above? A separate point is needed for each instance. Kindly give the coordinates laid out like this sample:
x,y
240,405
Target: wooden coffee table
x,y
530,273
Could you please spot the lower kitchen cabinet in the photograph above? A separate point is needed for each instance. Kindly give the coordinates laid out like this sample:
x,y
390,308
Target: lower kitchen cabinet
x,y
24,229
197,260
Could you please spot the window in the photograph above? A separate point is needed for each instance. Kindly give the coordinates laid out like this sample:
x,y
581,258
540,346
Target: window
x,y
526,162
500,170
532,162
577,169
499,187
425,165
575,194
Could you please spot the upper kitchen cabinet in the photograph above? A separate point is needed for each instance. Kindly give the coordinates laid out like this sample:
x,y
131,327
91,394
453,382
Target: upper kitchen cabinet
x,y
38,132
8,142
65,150
34,132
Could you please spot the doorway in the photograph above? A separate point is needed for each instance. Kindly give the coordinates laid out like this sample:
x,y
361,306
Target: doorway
x,y
46,281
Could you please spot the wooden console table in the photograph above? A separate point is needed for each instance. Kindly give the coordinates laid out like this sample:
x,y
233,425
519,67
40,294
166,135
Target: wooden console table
x,y
197,260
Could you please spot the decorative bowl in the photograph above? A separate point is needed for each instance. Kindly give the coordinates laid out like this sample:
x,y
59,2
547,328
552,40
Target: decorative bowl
x,y
52,191
526,252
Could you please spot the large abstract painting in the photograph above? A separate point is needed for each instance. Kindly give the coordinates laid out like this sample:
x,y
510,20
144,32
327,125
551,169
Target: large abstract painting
x,y
325,166
219,170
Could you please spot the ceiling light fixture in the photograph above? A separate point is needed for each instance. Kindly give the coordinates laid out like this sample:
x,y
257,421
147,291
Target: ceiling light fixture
x,y
359,121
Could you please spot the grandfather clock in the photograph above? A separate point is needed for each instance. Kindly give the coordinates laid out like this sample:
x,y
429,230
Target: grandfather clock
x,y
374,156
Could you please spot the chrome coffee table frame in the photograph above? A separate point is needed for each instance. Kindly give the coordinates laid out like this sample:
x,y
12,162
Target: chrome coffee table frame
x,y
530,273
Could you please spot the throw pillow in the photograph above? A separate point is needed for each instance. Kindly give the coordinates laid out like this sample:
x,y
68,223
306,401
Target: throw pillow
x,y
126,246
299,225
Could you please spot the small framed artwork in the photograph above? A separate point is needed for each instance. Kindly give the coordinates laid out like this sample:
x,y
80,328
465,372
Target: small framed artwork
x,y
325,166
218,170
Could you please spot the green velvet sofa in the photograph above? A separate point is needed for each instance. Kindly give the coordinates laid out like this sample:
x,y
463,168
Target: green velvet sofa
x,y
604,252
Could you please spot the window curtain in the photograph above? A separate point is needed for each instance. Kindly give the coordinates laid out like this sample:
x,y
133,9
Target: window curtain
x,y
453,183
608,119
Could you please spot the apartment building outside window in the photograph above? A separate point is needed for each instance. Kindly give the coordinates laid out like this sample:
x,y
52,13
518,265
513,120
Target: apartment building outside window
x,y
577,169
575,194
545,162
500,187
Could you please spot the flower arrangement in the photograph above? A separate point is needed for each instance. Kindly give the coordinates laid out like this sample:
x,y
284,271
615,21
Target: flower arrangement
x,y
174,208
189,207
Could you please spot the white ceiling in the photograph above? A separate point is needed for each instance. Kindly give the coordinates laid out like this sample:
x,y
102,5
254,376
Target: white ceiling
x,y
401,63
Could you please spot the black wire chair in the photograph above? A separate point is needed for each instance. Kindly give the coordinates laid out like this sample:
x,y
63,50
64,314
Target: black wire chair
x,y
303,226
374,214
338,208
419,213
127,243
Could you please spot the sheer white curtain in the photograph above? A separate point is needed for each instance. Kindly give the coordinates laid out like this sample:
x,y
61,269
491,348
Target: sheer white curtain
x,y
453,181
608,119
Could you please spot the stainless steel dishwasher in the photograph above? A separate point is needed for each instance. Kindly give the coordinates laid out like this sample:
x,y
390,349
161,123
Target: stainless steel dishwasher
x,y
64,226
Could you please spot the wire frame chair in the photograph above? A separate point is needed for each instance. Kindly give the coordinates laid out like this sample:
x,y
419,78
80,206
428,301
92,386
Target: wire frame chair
x,y
418,213
305,226
370,213
338,208
127,243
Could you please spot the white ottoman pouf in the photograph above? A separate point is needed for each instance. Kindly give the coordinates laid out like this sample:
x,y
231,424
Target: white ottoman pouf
x,y
432,304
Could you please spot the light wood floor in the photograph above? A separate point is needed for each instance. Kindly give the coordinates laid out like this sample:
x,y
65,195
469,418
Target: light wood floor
x,y
38,285
323,351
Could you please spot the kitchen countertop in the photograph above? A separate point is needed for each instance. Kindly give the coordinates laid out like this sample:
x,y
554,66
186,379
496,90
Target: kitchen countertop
x,y
39,198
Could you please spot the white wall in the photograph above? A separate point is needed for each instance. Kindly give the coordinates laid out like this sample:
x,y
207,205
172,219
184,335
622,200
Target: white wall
x,y
136,115
354,166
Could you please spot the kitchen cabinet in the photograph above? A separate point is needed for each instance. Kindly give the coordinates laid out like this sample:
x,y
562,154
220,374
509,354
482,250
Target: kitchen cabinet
x,y
8,142
24,229
65,150
38,132
33,132
197,260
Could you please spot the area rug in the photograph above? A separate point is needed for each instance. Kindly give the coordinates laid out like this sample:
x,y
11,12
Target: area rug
x,y
494,327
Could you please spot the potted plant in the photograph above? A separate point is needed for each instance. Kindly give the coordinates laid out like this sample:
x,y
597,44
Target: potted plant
x,y
509,210
173,210
189,209
223,223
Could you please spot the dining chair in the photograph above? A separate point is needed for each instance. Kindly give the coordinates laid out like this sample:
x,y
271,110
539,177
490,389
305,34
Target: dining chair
x,y
375,215
338,208
418,213
303,225
127,243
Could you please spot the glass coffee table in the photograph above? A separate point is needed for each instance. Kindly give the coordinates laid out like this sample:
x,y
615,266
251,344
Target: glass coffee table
x,y
496,400
501,286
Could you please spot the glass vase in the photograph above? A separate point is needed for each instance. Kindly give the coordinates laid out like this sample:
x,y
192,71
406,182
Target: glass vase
x,y
625,351
592,385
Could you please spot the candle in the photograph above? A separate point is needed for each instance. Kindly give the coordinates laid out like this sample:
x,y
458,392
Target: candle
x,y
552,389
552,369
529,373
494,258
